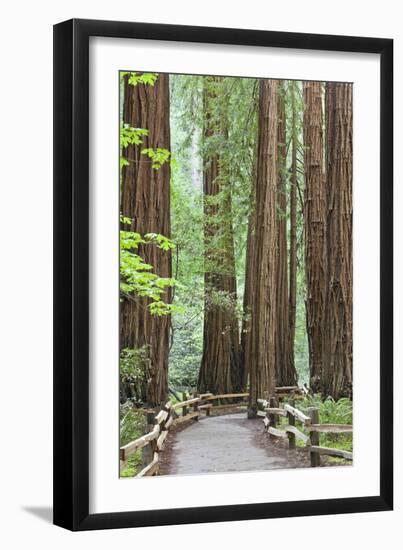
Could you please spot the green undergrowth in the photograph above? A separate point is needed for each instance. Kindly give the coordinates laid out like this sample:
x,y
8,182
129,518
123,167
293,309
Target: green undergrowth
x,y
133,467
132,425
330,412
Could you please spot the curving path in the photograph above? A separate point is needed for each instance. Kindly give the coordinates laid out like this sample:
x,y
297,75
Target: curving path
x,y
228,443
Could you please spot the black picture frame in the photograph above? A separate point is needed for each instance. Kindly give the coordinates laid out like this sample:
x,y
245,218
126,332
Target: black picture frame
x,y
71,274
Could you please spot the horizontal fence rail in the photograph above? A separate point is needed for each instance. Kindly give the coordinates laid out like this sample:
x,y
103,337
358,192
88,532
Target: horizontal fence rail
x,y
192,407
271,411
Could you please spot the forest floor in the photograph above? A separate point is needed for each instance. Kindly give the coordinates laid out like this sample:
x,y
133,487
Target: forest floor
x,y
226,443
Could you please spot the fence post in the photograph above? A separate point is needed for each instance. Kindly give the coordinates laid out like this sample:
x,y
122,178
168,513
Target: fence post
x,y
148,450
291,422
273,417
196,407
313,412
163,429
252,411
208,410
259,406
184,409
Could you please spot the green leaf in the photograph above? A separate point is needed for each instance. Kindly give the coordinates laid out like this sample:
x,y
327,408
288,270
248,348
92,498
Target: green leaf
x,y
159,156
142,78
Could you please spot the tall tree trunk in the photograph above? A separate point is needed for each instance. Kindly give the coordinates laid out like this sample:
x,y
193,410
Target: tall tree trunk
x,y
292,310
248,286
220,367
337,347
261,347
315,218
145,198
285,370
249,254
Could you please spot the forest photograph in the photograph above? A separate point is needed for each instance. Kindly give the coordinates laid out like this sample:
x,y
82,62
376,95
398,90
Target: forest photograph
x,y
236,306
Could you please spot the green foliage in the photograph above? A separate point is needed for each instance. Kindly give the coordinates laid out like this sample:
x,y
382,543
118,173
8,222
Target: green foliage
x,y
132,426
132,365
236,102
185,356
159,308
336,412
187,232
301,351
224,301
132,423
330,412
136,78
137,278
292,91
158,156
233,113
125,220
134,463
163,242
136,275
129,136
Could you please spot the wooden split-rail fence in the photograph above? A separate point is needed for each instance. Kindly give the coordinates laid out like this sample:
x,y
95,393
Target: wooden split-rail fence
x,y
271,412
191,408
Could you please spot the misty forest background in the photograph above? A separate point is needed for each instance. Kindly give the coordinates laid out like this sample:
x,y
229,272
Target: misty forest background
x,y
236,239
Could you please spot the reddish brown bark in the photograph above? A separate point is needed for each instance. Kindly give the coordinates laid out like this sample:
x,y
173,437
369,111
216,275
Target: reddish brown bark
x,y
220,364
285,370
248,287
249,254
315,218
145,199
337,342
292,310
261,345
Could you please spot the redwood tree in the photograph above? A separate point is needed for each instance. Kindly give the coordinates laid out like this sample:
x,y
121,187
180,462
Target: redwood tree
x,y
315,226
292,309
220,364
145,199
337,341
249,286
261,339
285,370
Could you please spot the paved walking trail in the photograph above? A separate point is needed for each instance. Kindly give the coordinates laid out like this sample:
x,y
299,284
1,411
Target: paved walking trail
x,y
228,443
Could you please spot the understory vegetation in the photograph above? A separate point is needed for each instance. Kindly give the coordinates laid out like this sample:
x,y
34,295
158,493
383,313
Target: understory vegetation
x,y
235,243
330,412
132,426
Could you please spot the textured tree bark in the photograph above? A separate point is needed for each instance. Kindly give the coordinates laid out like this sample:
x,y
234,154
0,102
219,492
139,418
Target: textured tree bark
x,y
220,364
249,286
145,198
292,310
249,282
261,345
337,344
315,218
285,370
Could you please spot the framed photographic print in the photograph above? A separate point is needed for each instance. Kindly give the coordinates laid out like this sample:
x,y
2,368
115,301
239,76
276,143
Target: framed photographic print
x,y
223,254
